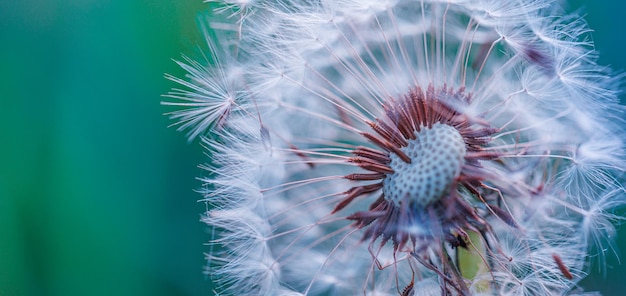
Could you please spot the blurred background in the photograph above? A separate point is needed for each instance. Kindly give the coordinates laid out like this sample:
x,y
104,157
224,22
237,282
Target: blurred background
x,y
96,193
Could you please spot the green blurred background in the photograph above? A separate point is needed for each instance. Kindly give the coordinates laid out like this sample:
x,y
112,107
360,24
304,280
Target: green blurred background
x,y
96,193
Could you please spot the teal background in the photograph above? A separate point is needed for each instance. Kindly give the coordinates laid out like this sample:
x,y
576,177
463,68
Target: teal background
x,y
96,193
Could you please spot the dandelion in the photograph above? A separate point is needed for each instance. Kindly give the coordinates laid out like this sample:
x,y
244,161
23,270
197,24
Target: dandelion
x,y
404,147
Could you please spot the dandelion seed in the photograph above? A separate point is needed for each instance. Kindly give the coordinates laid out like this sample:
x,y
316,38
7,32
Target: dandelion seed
x,y
358,146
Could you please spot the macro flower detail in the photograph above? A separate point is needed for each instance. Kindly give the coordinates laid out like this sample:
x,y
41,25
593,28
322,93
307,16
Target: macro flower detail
x,y
404,147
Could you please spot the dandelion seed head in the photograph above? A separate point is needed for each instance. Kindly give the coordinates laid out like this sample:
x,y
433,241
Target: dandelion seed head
x,y
370,147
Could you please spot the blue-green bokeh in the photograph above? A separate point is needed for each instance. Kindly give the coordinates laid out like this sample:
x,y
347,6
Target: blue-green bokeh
x,y
96,193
